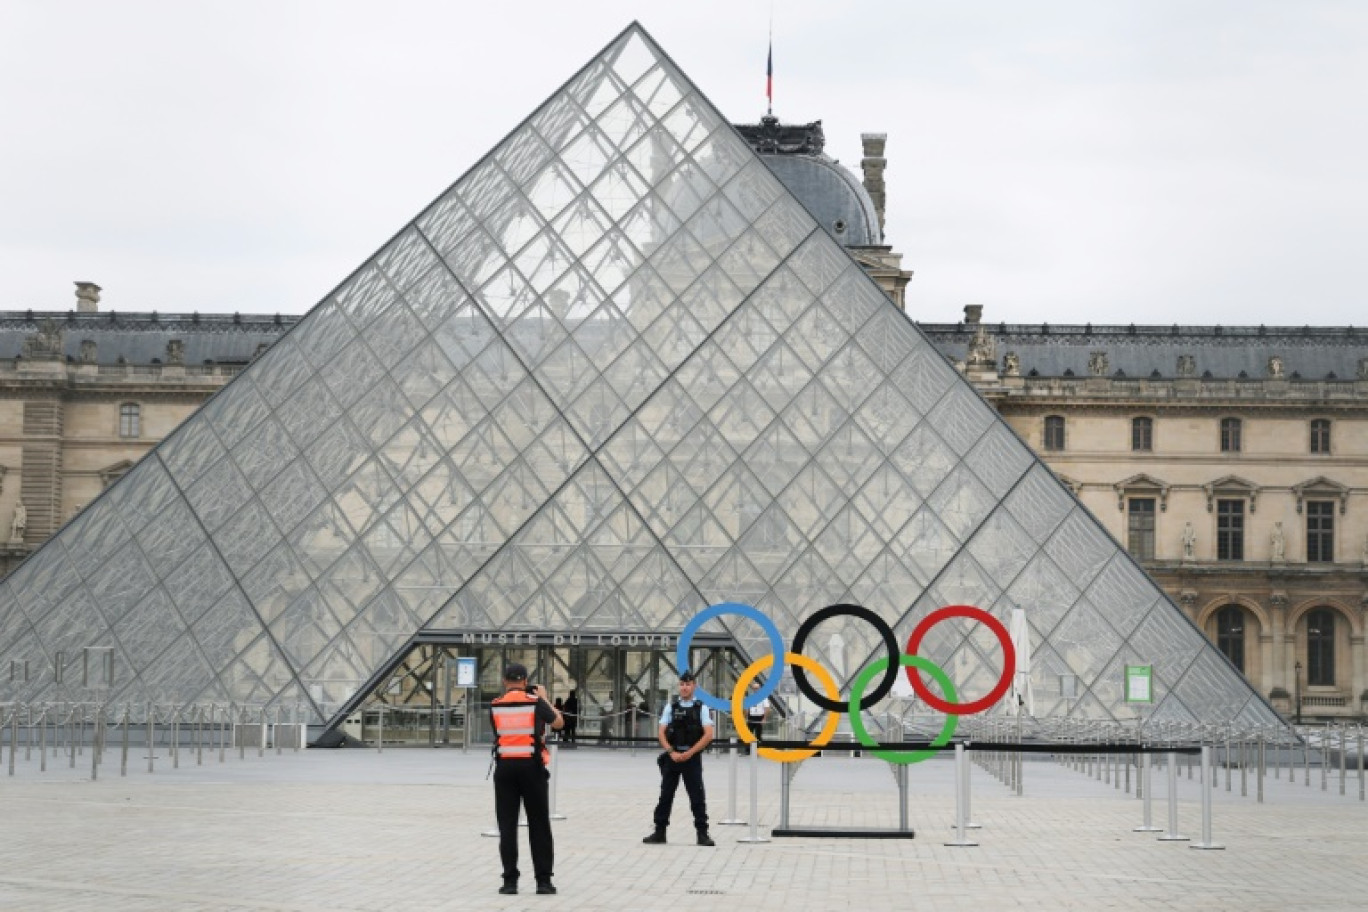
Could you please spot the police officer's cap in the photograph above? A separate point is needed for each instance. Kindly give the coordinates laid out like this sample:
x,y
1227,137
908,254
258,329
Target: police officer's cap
x,y
515,672
685,676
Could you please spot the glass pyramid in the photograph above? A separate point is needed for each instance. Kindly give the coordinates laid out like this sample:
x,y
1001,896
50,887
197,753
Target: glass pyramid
x,y
616,373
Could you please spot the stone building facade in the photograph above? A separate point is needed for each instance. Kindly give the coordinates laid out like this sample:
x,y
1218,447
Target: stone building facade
x,y
84,394
1232,462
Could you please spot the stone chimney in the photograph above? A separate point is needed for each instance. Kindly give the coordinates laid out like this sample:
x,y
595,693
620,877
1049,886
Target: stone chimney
x,y
873,165
87,297
973,313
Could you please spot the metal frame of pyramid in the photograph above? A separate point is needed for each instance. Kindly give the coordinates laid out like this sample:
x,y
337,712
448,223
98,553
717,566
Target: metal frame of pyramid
x,y
614,374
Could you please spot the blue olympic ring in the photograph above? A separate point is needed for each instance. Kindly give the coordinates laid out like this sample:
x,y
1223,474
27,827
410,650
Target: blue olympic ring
x,y
747,611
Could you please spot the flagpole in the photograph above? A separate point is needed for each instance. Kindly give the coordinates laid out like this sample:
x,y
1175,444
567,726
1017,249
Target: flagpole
x,y
769,69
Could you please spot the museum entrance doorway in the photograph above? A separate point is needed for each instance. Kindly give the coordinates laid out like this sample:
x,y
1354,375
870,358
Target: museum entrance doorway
x,y
620,682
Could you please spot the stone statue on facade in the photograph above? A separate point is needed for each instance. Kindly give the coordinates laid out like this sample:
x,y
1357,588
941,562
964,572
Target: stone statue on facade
x,y
1275,368
1363,368
1189,541
175,352
1011,365
19,523
982,349
89,351
1187,366
1097,364
1278,545
45,344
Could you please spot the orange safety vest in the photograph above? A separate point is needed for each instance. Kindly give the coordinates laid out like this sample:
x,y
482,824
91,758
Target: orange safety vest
x,y
515,727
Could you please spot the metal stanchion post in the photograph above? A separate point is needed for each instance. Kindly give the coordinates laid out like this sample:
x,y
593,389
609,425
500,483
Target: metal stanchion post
x,y
276,739
1360,761
961,798
238,733
555,775
1244,770
261,735
785,793
1171,834
1143,786
754,836
380,728
175,740
901,774
199,736
1343,746
1206,842
14,736
1227,759
1325,758
94,750
151,748
42,741
732,761
1262,760
123,759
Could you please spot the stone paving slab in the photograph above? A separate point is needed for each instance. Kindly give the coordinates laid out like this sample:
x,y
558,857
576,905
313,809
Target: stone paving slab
x,y
358,830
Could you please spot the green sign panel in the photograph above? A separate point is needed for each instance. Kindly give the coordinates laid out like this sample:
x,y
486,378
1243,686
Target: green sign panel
x,y
1138,688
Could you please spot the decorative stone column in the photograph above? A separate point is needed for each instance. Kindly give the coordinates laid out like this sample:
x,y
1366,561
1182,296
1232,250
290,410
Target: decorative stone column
x,y
1282,656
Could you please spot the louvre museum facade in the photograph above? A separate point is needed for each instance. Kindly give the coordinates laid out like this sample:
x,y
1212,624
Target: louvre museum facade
x,y
635,362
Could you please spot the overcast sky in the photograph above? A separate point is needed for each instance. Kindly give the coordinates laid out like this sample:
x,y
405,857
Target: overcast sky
x,y
1112,162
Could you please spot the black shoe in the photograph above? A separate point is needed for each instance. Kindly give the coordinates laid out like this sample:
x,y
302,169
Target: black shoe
x,y
705,840
545,887
656,838
509,888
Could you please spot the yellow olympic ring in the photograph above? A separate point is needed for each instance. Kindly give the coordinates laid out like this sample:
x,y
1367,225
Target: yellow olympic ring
x,y
743,730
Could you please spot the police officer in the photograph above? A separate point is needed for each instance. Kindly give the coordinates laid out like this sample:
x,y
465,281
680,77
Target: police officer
x,y
686,728
520,775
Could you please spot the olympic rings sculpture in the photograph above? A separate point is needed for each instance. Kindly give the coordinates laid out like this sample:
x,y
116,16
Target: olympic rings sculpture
x,y
831,701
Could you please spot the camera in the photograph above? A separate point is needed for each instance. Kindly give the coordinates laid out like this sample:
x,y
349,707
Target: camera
x,y
531,690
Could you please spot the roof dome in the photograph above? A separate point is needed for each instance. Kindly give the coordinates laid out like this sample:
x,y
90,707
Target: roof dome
x,y
833,195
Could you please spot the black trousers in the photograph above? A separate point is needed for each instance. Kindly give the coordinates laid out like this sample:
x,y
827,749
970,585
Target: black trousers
x,y
691,771
523,783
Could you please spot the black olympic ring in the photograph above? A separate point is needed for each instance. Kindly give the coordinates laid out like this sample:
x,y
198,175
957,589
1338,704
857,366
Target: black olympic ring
x,y
859,611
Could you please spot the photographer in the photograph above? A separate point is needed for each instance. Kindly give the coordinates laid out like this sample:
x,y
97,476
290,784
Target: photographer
x,y
520,775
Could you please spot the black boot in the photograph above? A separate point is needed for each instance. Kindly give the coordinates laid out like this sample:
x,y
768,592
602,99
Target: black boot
x,y
704,839
545,887
509,887
656,838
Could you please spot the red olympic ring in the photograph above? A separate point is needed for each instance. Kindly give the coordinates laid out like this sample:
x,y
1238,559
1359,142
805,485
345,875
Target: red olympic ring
x,y
1008,659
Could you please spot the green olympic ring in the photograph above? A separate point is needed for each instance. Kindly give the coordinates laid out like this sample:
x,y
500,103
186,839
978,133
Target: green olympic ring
x,y
857,690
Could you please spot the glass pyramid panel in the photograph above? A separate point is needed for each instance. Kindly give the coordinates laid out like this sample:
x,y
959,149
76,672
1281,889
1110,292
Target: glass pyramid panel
x,y
611,375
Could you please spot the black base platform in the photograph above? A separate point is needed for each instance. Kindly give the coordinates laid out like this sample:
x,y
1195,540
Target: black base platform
x,y
844,832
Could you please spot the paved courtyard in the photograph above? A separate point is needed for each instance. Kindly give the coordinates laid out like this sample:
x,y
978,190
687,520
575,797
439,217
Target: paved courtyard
x,y
366,831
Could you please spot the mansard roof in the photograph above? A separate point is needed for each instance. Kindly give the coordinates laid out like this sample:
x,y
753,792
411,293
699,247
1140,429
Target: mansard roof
x,y
139,338
1142,351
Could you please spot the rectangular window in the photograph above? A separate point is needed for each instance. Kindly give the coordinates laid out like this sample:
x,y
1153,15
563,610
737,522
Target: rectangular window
x,y
1320,531
130,420
1054,433
1142,435
1230,530
1320,436
1230,435
1140,537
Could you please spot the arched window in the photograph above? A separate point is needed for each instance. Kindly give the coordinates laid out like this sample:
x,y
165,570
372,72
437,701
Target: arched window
x,y
1230,435
1054,432
1320,435
1230,632
1142,434
130,420
1320,648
